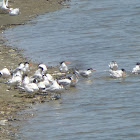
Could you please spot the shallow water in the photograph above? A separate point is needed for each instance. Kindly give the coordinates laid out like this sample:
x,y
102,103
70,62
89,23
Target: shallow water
x,y
88,34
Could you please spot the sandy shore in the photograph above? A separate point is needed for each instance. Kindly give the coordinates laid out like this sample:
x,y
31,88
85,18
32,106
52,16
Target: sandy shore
x,y
13,100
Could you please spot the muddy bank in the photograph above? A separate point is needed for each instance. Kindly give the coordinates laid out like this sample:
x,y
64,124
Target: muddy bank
x,y
14,100
28,10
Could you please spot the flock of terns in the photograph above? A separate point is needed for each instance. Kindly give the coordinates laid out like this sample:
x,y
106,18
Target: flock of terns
x,y
4,6
42,81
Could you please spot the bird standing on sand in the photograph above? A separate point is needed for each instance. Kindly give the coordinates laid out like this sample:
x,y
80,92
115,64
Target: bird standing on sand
x,y
23,66
31,87
44,68
5,73
38,75
15,80
55,87
13,12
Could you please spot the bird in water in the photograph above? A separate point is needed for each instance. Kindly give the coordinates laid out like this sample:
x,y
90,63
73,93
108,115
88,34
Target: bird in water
x,y
65,82
113,65
85,73
136,69
55,87
70,80
117,73
74,80
63,66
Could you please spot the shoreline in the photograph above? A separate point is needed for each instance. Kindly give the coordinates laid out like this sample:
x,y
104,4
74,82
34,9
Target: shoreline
x,y
13,101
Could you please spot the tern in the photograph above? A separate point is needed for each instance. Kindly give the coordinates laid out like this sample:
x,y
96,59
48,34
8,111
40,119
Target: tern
x,y
65,82
113,65
117,73
15,80
13,12
136,69
38,75
5,73
44,68
45,83
85,73
31,87
63,66
55,87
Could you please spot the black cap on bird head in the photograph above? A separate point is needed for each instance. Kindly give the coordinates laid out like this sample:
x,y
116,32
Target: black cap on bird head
x,y
138,63
90,69
40,68
26,63
123,70
62,62
21,63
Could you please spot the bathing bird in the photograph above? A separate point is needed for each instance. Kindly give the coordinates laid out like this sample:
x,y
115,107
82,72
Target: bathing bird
x,y
136,69
69,81
13,12
74,80
65,82
5,73
113,65
85,73
55,87
117,73
63,66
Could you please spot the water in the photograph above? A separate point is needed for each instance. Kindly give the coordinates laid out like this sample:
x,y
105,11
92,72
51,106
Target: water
x,y
90,33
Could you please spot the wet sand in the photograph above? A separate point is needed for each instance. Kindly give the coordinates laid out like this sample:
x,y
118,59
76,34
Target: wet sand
x,y
14,100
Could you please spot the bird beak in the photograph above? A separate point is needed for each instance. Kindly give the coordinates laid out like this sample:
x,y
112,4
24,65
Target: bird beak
x,y
30,64
93,69
67,62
